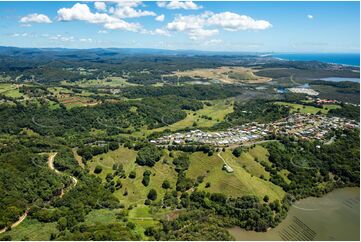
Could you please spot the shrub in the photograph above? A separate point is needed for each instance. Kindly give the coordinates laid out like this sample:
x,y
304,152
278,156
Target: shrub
x,y
98,169
152,195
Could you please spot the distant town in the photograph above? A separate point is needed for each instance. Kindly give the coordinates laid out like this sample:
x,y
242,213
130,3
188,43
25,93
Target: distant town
x,y
303,126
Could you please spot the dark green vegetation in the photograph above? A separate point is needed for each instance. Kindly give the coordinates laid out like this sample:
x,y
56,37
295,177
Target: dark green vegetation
x,y
111,117
315,171
348,111
148,155
256,111
25,180
113,184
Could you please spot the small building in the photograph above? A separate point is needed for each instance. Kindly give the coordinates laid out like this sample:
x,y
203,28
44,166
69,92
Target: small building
x,y
227,168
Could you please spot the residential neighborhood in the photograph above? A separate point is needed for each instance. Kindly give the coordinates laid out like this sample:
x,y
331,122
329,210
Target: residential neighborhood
x,y
303,126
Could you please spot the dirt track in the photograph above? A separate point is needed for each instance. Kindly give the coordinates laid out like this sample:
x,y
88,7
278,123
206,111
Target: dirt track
x,y
51,167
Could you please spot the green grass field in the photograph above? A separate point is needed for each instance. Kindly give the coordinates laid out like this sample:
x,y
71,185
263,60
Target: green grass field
x,y
137,192
284,173
108,82
247,161
58,90
238,183
101,216
217,111
139,215
308,109
32,229
10,90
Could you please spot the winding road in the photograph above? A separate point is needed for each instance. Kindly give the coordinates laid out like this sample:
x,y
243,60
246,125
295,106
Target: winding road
x,y
51,167
20,220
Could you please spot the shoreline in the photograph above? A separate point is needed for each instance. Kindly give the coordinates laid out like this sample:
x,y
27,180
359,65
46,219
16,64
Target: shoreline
x,y
332,63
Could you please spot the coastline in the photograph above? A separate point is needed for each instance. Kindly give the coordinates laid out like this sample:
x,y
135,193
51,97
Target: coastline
x,y
284,58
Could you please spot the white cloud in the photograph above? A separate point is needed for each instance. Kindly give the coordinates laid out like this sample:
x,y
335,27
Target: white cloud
x,y
123,25
102,32
81,12
213,42
199,34
101,6
25,25
133,4
162,32
309,16
185,23
62,38
157,31
35,18
175,4
233,22
208,24
19,35
89,40
127,10
160,18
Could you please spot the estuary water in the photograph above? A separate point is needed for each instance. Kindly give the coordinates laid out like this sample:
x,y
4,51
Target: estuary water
x,y
340,79
335,216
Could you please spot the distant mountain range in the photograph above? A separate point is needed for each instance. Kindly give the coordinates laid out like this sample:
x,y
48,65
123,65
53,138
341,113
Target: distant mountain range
x,y
116,51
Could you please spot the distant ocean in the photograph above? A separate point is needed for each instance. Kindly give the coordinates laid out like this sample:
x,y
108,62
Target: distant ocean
x,y
343,59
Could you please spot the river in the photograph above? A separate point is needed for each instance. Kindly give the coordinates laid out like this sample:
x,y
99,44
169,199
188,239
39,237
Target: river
x,y
335,216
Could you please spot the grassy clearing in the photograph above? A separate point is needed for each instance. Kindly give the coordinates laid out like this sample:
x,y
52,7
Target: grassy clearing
x,y
10,90
101,216
107,82
218,110
53,105
59,90
140,216
75,101
238,183
137,192
32,229
295,108
226,74
284,173
247,161
260,153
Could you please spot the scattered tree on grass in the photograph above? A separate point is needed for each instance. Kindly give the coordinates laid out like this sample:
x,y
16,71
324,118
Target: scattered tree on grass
x,y
98,169
152,195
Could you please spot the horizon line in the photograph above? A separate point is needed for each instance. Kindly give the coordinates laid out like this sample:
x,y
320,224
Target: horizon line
x,y
195,50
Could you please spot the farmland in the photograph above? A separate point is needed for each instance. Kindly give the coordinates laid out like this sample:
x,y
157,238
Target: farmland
x,y
243,181
166,147
226,75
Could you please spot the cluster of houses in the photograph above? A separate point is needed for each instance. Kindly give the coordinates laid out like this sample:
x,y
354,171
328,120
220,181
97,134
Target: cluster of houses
x,y
307,91
304,126
307,126
326,101
231,136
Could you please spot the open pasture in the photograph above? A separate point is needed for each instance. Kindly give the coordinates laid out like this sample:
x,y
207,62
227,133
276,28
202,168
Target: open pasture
x,y
226,74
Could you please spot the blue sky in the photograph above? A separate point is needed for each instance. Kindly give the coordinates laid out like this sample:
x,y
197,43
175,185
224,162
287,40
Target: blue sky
x,y
221,26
